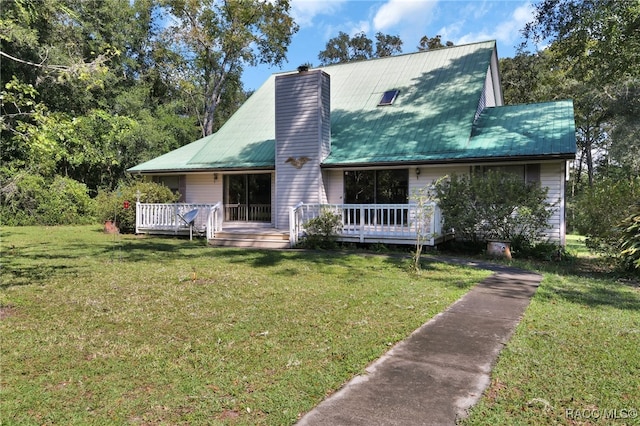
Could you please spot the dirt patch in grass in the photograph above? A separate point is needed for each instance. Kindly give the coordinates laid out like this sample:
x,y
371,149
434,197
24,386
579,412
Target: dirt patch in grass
x,y
7,311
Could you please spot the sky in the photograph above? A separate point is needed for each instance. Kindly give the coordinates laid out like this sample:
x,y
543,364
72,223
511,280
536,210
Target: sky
x,y
458,21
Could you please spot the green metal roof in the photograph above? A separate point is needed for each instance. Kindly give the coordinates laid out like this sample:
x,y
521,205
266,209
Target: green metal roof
x,y
430,120
543,129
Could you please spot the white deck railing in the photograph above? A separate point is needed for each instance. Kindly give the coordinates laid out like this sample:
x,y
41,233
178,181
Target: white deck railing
x,y
214,222
249,213
370,222
159,217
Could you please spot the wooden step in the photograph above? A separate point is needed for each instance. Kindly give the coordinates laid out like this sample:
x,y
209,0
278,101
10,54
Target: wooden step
x,y
256,238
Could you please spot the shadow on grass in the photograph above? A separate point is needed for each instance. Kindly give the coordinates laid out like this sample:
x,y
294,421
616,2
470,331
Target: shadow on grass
x,y
600,295
591,281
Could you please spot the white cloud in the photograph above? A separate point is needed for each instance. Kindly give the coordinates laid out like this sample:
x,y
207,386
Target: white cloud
x,y
400,12
304,11
507,31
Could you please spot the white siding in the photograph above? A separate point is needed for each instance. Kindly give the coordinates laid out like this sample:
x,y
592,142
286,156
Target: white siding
x,y
494,73
201,188
302,132
429,174
552,176
489,93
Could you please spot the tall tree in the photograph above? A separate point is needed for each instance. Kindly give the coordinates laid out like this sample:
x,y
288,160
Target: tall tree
x,y
82,95
427,43
387,45
344,48
215,40
597,43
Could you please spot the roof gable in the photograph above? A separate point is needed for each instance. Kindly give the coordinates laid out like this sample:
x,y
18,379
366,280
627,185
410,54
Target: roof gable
x,y
439,92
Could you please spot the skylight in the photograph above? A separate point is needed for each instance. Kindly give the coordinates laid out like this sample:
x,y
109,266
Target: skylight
x,y
388,97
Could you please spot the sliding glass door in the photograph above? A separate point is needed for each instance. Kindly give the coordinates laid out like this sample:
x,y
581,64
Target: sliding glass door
x,y
247,197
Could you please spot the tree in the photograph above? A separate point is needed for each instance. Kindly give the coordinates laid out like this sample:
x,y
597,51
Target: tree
x,y
65,112
424,200
596,43
387,45
343,48
215,40
427,43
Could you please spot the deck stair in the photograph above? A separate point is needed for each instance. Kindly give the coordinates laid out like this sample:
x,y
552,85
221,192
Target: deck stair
x,y
251,235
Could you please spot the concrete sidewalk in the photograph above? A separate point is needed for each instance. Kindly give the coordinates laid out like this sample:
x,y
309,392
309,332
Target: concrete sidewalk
x,y
435,375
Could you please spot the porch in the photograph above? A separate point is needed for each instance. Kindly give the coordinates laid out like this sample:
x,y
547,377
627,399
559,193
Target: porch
x,y
373,223
362,223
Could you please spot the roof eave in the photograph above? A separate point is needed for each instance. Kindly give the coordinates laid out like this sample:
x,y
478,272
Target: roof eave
x,y
200,170
542,157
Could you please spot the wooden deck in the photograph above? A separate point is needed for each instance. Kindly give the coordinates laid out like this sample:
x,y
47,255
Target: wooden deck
x,y
361,223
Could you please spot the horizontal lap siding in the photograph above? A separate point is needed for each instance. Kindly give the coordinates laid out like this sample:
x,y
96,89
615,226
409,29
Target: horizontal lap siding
x,y
428,175
552,177
300,128
201,188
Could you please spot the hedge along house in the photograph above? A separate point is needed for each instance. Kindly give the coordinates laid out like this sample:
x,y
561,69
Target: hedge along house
x,y
358,138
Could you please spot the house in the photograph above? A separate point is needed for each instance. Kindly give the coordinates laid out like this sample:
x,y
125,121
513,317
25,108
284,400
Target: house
x,y
358,138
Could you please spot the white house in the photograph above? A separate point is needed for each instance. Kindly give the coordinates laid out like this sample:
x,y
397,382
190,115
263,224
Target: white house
x,y
358,138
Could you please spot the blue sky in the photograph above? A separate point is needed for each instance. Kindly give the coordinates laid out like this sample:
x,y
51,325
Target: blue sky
x,y
456,20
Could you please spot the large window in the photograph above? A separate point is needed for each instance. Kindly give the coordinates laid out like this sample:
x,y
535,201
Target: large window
x,y
376,186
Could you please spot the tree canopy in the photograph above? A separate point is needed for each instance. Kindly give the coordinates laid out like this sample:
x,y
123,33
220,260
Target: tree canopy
x,y
90,89
212,41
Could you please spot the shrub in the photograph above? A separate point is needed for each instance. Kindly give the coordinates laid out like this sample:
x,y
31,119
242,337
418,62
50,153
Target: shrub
x,y
30,199
322,230
110,204
630,240
601,211
423,199
495,205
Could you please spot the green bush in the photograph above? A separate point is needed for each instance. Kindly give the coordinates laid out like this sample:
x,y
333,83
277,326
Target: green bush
x,y
601,211
110,205
322,230
493,206
30,199
630,240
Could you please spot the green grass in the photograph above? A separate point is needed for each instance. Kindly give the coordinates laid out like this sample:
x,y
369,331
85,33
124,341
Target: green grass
x,y
103,329
575,357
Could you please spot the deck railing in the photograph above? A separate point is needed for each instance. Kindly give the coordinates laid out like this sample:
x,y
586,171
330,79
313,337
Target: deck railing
x,y
248,212
163,218
214,222
370,222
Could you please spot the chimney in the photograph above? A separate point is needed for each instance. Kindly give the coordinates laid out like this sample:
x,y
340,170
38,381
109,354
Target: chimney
x,y
303,139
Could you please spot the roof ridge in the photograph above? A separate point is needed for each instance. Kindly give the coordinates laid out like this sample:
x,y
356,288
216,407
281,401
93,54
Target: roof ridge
x,y
440,49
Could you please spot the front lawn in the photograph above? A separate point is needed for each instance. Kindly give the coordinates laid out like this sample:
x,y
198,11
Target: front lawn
x,y
104,329
575,357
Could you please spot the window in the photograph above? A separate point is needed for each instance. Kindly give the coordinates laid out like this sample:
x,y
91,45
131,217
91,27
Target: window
x,y
376,186
176,183
388,97
529,173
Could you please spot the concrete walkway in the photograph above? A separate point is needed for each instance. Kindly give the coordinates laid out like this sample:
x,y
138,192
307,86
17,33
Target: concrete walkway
x,y
435,375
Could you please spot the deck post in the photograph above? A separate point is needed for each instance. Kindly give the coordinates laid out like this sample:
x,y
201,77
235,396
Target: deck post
x,y
361,228
138,215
